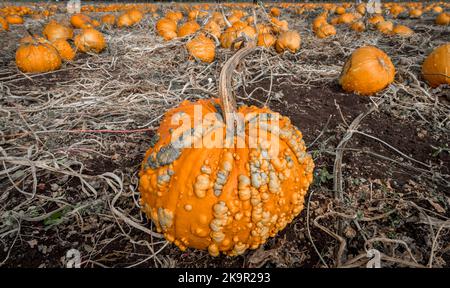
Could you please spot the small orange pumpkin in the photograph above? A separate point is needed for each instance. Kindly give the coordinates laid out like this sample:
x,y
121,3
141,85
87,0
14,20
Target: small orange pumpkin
x,y
367,71
436,67
266,40
376,19
402,30
289,40
326,31
385,27
231,33
167,28
443,19
4,24
188,28
415,13
125,20
66,51
358,26
275,12
213,28
202,48
37,57
14,19
174,15
109,19
80,20
90,40
54,31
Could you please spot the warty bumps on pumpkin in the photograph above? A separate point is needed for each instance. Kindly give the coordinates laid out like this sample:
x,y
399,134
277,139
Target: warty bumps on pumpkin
x,y
37,57
223,199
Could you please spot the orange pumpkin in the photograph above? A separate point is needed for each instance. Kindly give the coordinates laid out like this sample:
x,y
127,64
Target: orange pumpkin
x,y
385,27
346,18
202,48
376,19
188,28
125,20
80,20
14,19
436,67
64,49
289,40
396,10
443,19
402,30
174,15
135,15
109,19
4,24
361,8
37,57
275,12
213,28
340,10
90,40
230,198
358,26
326,31
415,13
438,9
367,71
54,31
231,33
167,28
279,25
266,40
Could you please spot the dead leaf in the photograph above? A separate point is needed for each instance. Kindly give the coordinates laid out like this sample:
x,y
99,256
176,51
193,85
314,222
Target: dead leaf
x,y
436,206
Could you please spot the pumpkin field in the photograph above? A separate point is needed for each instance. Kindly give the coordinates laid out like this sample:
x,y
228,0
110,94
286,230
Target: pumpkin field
x,y
356,94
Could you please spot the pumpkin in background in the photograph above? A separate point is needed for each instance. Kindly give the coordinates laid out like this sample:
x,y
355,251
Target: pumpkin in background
x,y
443,19
326,31
167,28
415,13
109,19
361,8
340,10
175,16
275,12
319,21
213,28
376,19
437,9
80,20
358,26
436,67
266,40
232,33
367,71
90,40
4,24
396,10
37,57
125,20
385,27
202,48
402,30
188,28
64,49
54,31
14,19
279,25
135,15
225,200
346,18
289,40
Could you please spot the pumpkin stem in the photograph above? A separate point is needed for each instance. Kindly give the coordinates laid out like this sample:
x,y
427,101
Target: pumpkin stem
x,y
227,99
225,18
